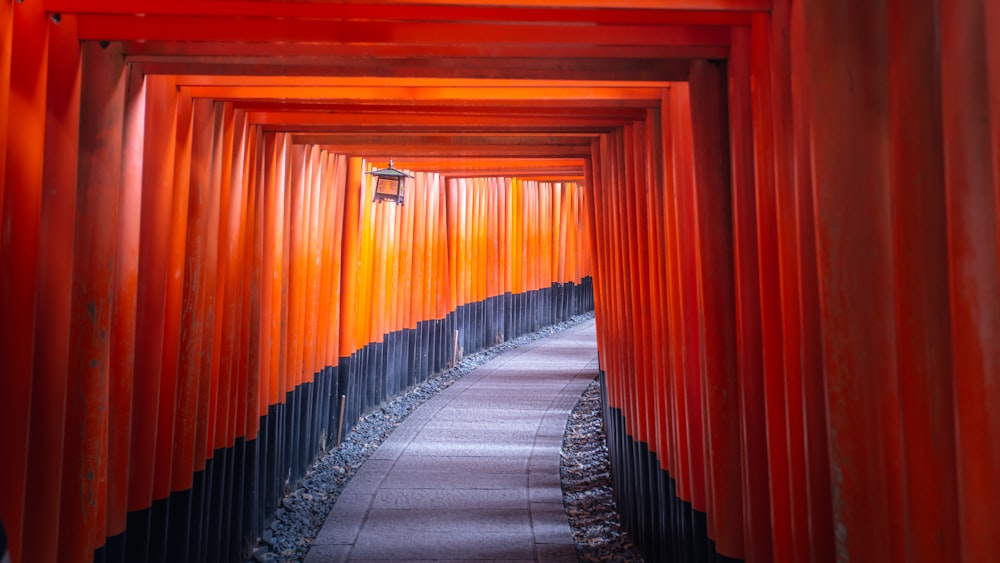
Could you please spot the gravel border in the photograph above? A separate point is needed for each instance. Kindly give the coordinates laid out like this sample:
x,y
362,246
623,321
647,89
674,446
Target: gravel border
x,y
585,472
301,513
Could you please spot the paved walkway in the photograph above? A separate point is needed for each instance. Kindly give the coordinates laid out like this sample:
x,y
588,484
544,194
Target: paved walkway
x,y
473,473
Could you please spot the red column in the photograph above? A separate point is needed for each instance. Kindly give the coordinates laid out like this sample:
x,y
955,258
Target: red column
x,y
691,474
772,54
20,213
921,283
796,229
349,293
748,128
82,524
54,290
170,433
337,186
246,383
196,282
847,58
6,48
717,304
124,301
157,194
972,188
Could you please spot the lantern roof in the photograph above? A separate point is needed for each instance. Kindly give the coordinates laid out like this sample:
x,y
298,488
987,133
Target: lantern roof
x,y
390,172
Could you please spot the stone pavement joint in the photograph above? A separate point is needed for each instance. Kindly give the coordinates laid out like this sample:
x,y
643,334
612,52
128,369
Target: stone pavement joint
x,y
476,476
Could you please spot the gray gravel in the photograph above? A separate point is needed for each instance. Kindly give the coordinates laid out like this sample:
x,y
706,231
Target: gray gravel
x,y
585,476
585,473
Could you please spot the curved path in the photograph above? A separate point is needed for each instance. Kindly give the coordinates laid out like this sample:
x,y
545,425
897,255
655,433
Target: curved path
x,y
473,473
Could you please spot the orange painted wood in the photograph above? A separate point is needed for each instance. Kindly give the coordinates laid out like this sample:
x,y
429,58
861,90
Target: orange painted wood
x,y
972,188
405,317
634,248
314,227
239,393
202,209
225,291
596,96
921,287
380,258
297,200
417,200
367,280
805,542
491,243
251,382
690,423
53,321
671,304
441,253
768,432
83,523
336,183
616,391
646,267
854,257
438,293
270,329
20,213
324,356
483,216
364,51
723,5
168,432
125,299
797,230
208,306
349,295
452,221
157,196
652,204
277,30
417,12
6,50
717,304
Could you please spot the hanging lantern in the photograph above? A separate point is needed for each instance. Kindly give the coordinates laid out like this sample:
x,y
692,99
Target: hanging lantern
x,y
389,184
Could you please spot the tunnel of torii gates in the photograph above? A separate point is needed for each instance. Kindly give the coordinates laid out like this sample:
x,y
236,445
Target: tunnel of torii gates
x,y
783,213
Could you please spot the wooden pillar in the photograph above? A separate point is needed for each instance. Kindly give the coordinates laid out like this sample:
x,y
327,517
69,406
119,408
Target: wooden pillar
x,y
716,298
969,79
54,292
847,56
748,127
921,283
690,422
123,307
157,194
797,237
20,213
82,521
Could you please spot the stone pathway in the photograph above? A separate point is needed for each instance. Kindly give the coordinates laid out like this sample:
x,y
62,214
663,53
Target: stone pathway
x,y
472,474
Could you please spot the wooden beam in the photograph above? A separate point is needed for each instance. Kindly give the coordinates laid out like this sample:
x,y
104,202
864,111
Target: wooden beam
x,y
620,13
496,85
739,5
212,28
450,151
483,167
306,111
450,139
457,123
212,47
459,96
607,69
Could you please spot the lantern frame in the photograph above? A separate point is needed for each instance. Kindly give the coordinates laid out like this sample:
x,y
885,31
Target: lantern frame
x,y
389,184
